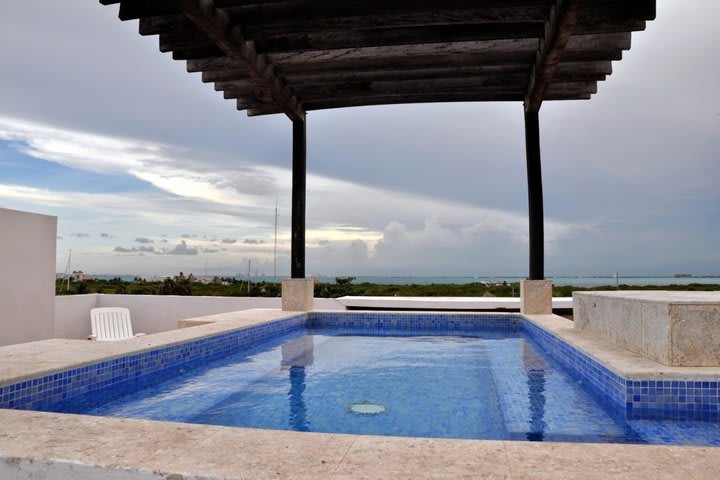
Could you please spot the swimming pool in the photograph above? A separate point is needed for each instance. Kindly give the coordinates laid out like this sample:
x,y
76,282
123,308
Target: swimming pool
x,y
439,375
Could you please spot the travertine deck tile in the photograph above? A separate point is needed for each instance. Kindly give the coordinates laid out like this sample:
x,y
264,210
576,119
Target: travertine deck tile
x,y
141,449
423,458
596,461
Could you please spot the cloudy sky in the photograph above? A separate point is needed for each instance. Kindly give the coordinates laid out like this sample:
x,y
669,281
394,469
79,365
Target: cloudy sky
x,y
149,171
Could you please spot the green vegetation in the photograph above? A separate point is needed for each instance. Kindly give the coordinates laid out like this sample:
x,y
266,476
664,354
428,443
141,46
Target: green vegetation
x,y
229,287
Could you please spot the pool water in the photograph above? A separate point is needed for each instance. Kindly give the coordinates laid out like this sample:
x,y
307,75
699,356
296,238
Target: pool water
x,y
481,385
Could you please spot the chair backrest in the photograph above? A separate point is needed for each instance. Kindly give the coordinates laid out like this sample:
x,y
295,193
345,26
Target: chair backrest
x,y
110,323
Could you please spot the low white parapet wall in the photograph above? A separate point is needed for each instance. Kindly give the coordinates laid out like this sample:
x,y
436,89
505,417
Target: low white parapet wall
x,y
157,313
673,328
444,303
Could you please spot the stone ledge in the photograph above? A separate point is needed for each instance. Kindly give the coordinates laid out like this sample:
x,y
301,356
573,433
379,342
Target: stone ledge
x,y
673,328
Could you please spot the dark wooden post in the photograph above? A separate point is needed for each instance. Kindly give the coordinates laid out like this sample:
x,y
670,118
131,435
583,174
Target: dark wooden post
x,y
535,196
299,168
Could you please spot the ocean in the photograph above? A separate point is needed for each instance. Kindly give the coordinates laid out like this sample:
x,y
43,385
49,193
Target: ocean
x,y
576,281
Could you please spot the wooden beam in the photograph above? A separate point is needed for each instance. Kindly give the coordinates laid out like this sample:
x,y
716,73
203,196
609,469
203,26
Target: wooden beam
x,y
211,51
616,10
603,67
476,83
269,10
558,29
397,36
213,64
367,53
164,24
331,77
405,62
561,88
603,41
216,24
262,25
589,27
211,76
245,84
189,38
361,101
134,9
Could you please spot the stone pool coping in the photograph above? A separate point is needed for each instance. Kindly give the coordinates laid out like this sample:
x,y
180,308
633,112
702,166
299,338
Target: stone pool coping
x,y
30,360
34,359
86,445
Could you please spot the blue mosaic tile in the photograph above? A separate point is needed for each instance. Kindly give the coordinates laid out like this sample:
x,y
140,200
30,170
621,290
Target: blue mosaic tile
x,y
42,393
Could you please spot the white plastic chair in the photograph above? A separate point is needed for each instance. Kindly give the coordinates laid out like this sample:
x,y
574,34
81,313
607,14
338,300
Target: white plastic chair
x,y
111,323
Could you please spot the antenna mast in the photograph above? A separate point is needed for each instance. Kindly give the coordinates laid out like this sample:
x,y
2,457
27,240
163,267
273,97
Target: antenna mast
x,y
275,247
65,275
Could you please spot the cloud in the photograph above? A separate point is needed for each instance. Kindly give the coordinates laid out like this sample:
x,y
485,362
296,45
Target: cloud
x,y
141,248
210,250
106,235
252,241
80,235
167,167
434,248
229,240
144,240
182,249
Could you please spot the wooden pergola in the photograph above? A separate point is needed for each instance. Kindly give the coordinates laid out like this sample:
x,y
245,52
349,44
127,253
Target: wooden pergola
x,y
295,56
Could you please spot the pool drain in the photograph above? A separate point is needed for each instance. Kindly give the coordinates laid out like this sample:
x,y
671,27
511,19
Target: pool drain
x,y
367,408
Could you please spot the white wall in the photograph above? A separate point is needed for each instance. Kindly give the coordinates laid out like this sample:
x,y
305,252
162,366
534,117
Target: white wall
x,y
27,276
157,313
72,315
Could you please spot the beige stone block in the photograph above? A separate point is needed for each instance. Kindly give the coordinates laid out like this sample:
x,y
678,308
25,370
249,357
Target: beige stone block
x,y
297,294
655,341
680,329
695,335
535,297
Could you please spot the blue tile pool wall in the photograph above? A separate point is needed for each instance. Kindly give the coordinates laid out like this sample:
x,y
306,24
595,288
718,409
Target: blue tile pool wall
x,y
685,399
641,399
600,379
378,323
44,392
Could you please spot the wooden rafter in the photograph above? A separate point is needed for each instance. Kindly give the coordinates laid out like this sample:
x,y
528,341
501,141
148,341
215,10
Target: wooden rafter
x,y
217,25
558,29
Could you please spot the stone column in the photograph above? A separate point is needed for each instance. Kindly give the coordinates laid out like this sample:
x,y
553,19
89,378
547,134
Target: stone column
x,y
536,297
297,294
